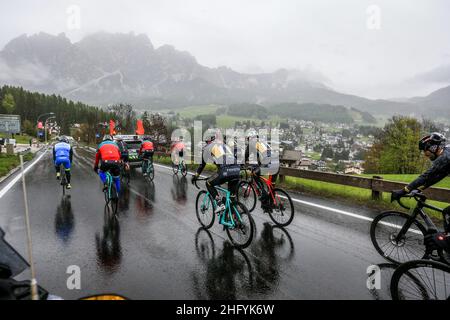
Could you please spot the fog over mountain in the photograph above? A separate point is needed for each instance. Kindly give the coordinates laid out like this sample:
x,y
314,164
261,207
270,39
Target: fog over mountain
x,y
106,68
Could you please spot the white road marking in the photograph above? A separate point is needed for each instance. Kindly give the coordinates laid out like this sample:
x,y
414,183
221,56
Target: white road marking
x,y
19,176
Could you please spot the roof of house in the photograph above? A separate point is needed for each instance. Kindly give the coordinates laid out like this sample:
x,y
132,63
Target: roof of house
x,y
292,155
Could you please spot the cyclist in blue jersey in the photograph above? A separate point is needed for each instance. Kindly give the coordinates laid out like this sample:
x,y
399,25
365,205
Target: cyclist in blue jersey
x,y
62,154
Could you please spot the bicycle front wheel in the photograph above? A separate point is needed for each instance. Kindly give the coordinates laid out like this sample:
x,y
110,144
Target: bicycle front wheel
x,y
246,195
150,172
421,280
184,169
205,209
242,234
114,200
384,233
282,212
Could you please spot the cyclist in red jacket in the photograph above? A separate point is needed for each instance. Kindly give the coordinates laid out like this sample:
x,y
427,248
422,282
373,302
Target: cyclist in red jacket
x,y
146,152
109,154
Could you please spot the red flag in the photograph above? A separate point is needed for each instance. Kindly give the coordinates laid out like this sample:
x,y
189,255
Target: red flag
x,y
40,126
112,125
140,128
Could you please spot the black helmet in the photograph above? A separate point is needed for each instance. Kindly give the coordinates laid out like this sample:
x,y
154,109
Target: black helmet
x,y
63,139
432,142
210,138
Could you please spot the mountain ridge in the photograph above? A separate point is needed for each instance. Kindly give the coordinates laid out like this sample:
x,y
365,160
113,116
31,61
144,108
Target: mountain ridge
x,y
104,68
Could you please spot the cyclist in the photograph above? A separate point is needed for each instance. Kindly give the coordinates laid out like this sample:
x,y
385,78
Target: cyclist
x,y
109,154
178,149
62,154
123,148
146,152
266,161
227,171
435,148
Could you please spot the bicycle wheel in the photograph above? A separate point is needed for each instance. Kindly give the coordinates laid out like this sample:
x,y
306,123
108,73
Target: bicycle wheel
x,y
383,233
242,234
114,200
205,209
175,168
421,280
246,195
184,169
282,212
150,172
204,245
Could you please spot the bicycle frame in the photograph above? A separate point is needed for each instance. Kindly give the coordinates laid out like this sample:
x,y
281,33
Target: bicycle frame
x,y
109,182
228,206
418,211
149,163
267,182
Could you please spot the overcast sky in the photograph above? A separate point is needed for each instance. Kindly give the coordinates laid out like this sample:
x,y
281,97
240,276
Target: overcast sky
x,y
406,52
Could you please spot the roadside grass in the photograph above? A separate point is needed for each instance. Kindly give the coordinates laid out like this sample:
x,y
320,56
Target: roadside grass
x,y
445,183
9,162
22,139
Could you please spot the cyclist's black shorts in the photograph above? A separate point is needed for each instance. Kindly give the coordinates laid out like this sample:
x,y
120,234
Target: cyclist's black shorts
x,y
224,174
112,166
147,154
181,153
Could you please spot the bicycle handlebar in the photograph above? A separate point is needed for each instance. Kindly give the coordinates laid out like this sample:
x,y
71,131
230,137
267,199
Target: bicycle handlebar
x,y
416,194
199,179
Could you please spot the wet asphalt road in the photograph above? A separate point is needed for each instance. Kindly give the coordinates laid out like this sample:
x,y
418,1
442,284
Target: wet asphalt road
x,y
158,251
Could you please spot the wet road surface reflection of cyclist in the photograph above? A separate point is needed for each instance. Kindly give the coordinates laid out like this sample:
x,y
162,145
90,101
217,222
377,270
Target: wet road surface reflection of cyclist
x,y
232,273
64,220
179,189
109,252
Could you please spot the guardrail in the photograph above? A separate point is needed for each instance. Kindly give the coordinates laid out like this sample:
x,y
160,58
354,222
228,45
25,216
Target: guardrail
x,y
377,184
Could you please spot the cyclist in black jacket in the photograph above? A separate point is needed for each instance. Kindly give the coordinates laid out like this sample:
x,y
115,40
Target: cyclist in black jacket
x,y
227,171
434,147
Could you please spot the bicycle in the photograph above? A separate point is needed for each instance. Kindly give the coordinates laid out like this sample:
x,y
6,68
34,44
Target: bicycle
x,y
181,166
149,173
235,219
405,233
111,194
421,280
63,183
280,207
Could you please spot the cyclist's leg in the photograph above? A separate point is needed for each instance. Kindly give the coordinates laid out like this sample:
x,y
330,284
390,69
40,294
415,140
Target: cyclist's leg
x,y
102,172
446,215
67,166
57,164
211,182
115,172
145,163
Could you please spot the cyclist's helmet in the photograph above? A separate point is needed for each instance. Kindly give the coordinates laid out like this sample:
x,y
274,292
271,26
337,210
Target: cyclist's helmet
x,y
432,142
108,137
63,139
210,138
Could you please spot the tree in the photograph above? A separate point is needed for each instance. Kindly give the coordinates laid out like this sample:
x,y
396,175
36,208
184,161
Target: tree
x,y
327,153
395,148
8,103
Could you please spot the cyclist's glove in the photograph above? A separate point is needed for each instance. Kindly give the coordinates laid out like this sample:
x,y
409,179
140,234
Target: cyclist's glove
x,y
194,178
437,241
398,194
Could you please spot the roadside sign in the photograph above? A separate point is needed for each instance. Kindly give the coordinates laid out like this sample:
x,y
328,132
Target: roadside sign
x,y
9,123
